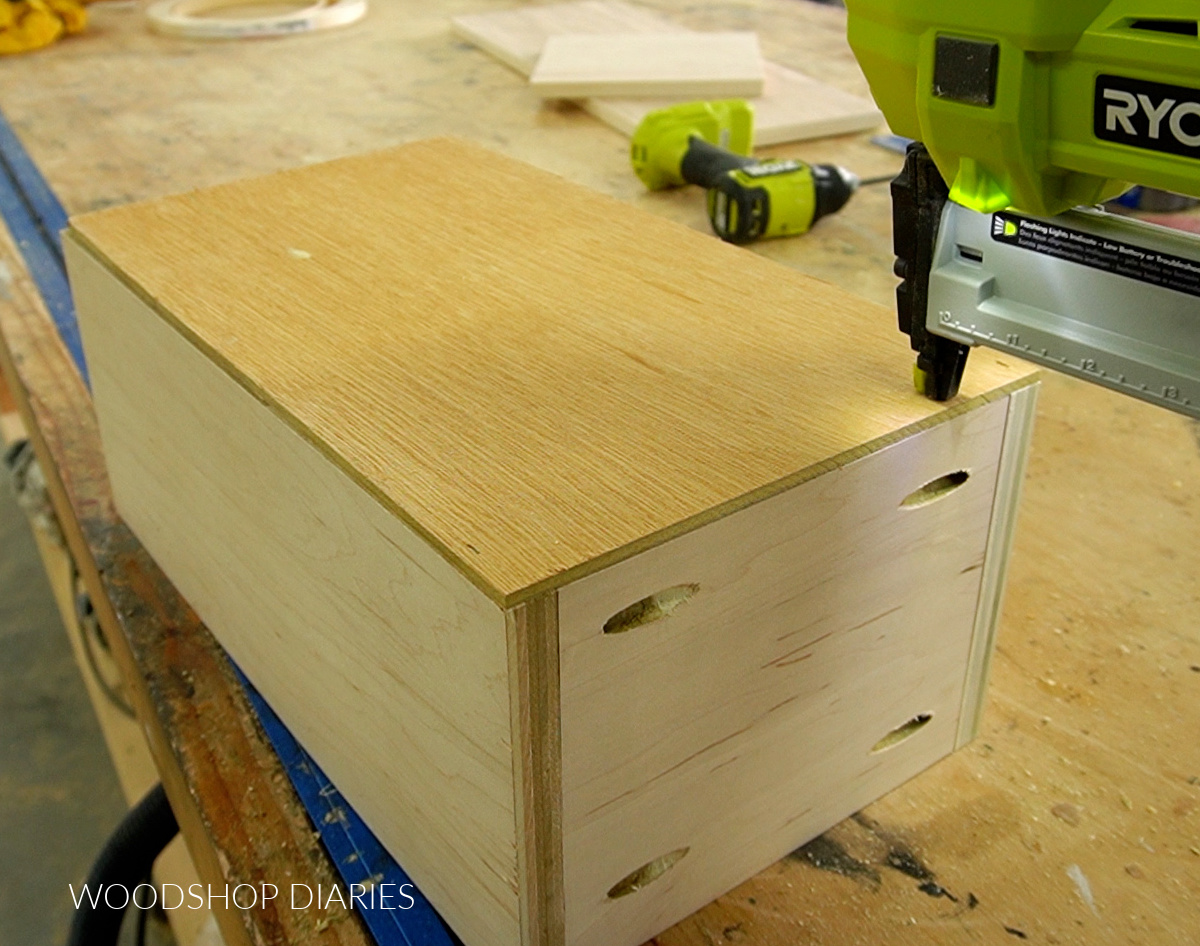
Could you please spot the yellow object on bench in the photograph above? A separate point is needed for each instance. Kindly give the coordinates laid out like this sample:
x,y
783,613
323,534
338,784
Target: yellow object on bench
x,y
26,25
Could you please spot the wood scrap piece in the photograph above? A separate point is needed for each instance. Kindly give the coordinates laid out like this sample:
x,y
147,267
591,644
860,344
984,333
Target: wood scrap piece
x,y
515,37
641,65
793,106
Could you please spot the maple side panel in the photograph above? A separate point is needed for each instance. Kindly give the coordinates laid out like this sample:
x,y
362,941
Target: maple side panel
x,y
387,664
800,632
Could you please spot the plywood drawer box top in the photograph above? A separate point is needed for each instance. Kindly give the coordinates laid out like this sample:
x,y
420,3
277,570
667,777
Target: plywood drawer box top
x,y
599,563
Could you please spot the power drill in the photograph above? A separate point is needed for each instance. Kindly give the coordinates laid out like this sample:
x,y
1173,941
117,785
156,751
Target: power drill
x,y
708,144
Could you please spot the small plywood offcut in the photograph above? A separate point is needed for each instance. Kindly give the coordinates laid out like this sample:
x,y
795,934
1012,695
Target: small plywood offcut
x,y
644,65
792,106
516,37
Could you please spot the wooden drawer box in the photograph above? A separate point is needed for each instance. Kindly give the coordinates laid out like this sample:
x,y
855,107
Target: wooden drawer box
x,y
599,563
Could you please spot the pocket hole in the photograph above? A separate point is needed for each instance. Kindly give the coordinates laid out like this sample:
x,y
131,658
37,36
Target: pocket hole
x,y
646,874
652,608
935,489
900,733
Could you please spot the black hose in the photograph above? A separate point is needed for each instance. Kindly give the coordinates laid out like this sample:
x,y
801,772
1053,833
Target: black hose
x,y
125,860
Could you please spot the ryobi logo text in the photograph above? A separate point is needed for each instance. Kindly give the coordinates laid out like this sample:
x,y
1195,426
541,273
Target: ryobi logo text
x,y
1148,115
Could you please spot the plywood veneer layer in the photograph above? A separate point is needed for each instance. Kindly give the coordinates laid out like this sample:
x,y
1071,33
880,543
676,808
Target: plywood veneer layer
x,y
642,65
538,391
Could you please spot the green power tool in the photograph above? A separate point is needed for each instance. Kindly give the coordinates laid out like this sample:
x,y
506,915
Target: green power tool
x,y
708,144
1025,114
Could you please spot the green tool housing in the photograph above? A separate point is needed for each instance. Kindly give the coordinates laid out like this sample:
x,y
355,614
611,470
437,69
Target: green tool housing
x,y
1040,105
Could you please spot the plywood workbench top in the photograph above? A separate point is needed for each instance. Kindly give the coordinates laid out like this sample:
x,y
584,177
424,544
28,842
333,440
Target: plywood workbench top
x,y
600,393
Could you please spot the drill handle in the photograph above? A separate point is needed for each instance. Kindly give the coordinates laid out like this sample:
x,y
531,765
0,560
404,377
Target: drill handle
x,y
704,164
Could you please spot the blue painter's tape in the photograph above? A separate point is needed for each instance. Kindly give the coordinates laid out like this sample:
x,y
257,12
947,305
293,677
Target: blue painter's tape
x,y
359,857
35,219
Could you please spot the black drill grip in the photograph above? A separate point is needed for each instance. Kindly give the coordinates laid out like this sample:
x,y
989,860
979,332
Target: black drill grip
x,y
705,164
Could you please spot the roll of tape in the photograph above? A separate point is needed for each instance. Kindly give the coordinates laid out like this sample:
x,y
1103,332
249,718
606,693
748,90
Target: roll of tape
x,y
194,19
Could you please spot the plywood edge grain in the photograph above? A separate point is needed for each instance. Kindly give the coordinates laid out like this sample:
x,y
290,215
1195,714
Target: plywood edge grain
x,y
649,64
1014,453
464,29
532,629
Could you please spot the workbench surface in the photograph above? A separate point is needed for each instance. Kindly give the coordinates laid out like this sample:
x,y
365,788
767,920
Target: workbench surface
x,y
1073,818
